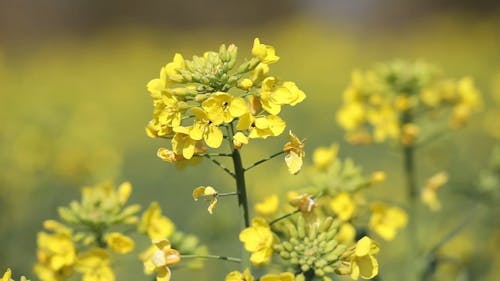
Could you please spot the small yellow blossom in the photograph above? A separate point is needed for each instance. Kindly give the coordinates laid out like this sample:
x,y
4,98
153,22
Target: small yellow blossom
x,y
94,265
273,95
351,116
386,220
429,192
378,177
265,53
295,154
343,206
183,144
208,192
204,128
259,240
119,243
268,206
160,260
323,157
238,276
261,127
363,261
223,108
239,139
245,84
154,224
285,276
56,250
409,132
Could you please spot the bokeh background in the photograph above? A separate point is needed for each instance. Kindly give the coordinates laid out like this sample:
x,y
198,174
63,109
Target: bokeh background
x,y
73,106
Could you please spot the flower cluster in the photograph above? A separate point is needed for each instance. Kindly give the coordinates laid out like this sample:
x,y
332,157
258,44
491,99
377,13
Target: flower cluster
x,y
385,101
199,102
92,231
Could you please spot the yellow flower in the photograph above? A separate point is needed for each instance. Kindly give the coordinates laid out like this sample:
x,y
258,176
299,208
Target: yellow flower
x,y
119,243
6,276
239,139
378,177
56,250
385,122
351,116
245,84
409,132
154,224
223,108
238,276
258,239
204,128
429,192
323,157
265,53
261,127
94,265
285,276
273,96
386,220
268,206
210,193
346,234
160,259
295,153
363,261
183,144
469,100
343,206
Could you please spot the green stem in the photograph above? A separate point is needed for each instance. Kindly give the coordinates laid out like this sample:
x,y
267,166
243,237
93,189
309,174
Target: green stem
x,y
265,160
284,217
411,194
231,259
229,172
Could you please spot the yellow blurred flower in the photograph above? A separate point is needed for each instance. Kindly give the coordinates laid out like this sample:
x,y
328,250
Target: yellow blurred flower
x,y
346,234
351,116
268,206
154,224
429,192
323,157
285,276
56,251
94,265
245,84
160,259
265,53
409,133
343,206
238,276
208,192
259,240
295,153
119,243
386,220
378,177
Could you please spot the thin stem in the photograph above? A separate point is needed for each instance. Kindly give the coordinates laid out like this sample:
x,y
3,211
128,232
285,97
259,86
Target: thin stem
x,y
231,259
215,155
220,165
412,194
227,194
265,160
284,217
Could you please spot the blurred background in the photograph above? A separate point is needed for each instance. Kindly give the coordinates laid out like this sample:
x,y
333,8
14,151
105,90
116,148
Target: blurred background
x,y
73,106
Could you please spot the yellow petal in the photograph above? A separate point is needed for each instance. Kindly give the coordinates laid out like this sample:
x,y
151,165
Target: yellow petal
x,y
213,137
238,107
7,275
294,162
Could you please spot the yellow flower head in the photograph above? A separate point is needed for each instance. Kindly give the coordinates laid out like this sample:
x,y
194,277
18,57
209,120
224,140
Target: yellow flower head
x,y
265,53
94,265
274,95
295,154
285,276
209,193
223,108
154,224
259,240
56,251
238,276
386,220
160,259
204,128
119,243
343,205
429,192
268,206
323,157
239,139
